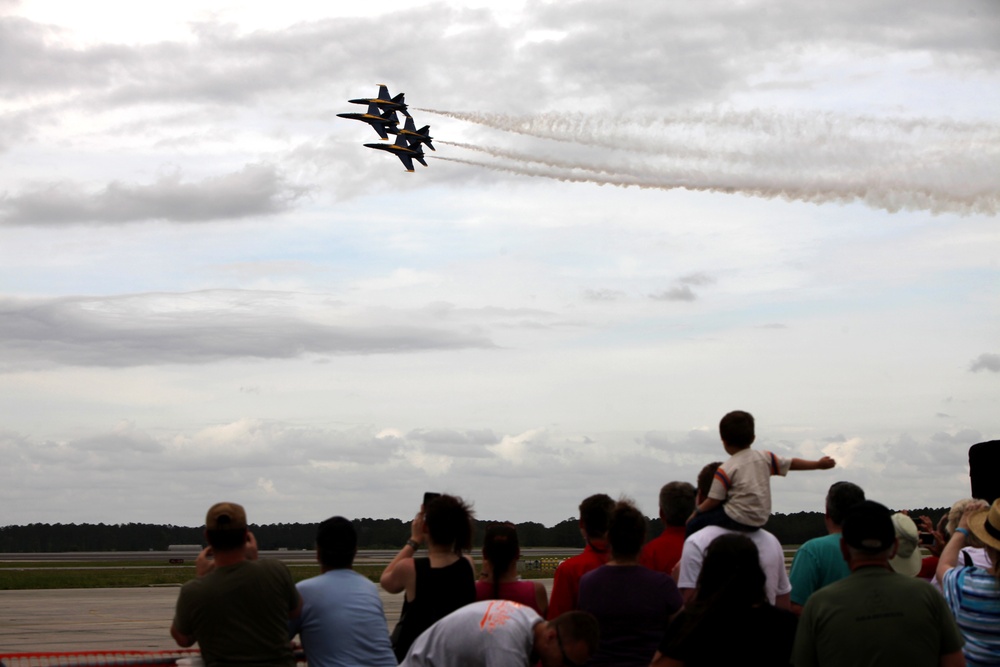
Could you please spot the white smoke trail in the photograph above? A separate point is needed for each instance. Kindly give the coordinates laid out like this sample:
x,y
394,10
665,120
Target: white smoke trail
x,y
525,157
893,164
884,196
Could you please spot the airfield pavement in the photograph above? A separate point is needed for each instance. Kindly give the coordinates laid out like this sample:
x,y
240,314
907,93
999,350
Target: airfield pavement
x,y
104,618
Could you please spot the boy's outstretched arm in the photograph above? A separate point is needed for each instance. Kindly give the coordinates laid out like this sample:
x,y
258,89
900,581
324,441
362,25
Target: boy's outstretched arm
x,y
824,463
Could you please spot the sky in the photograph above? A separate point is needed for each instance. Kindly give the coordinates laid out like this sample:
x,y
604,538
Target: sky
x,y
638,217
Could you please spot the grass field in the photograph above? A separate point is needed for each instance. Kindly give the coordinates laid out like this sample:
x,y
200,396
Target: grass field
x,y
15,576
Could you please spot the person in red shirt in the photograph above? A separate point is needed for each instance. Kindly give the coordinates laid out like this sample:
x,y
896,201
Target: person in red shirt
x,y
595,513
676,505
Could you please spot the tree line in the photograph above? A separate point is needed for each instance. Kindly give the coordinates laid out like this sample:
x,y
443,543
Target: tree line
x,y
372,534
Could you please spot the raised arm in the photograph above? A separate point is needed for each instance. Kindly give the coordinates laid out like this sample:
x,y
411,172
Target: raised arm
x,y
949,556
400,573
824,463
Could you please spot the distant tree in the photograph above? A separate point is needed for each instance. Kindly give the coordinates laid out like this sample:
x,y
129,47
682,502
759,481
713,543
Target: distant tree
x,y
372,534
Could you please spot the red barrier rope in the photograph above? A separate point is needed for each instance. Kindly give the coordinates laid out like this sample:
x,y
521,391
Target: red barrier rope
x,y
97,658
108,658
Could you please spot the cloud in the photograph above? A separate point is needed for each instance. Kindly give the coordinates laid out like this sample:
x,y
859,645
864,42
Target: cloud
x,y
702,441
602,294
679,293
201,327
449,442
911,454
697,279
845,451
985,362
682,291
255,190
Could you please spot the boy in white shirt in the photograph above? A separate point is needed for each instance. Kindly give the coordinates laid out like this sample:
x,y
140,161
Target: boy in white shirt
x,y
740,497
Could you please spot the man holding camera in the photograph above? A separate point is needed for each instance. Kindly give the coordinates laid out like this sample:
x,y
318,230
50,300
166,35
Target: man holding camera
x,y
238,607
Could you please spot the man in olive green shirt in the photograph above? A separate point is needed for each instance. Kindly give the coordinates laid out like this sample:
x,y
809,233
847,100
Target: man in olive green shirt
x,y
238,608
876,617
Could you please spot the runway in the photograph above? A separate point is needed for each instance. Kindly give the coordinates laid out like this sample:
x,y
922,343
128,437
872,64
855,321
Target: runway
x,y
104,618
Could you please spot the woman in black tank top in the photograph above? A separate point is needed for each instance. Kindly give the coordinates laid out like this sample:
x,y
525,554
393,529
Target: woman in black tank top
x,y
439,583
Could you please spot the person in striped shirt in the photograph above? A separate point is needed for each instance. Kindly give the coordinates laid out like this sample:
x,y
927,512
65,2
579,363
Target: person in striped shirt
x,y
973,593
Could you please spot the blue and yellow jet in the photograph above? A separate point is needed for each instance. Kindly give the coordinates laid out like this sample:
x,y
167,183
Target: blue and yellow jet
x,y
414,136
382,122
384,102
406,153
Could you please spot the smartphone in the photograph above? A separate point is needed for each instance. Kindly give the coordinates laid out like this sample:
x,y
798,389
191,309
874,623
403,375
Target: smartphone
x,y
429,496
926,538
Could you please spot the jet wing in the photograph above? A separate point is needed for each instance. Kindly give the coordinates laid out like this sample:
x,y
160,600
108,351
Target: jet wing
x,y
407,162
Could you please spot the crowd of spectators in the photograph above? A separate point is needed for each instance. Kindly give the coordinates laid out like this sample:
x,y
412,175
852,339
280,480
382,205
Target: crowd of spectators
x,y
712,589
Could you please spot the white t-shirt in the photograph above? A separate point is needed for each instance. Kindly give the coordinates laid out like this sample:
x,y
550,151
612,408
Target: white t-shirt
x,y
744,483
772,559
491,633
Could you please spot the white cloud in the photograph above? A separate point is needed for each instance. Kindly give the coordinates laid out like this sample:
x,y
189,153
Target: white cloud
x,y
256,190
150,329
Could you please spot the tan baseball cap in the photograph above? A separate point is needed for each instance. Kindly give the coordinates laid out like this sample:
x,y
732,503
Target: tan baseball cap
x,y
226,516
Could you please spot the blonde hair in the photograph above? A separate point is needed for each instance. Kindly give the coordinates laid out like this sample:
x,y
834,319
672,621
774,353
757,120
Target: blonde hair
x,y
955,517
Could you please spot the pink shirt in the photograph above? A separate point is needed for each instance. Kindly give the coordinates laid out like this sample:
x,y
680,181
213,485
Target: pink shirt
x,y
516,591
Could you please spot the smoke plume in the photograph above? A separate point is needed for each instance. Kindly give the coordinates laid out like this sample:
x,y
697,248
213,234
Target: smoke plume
x,y
941,166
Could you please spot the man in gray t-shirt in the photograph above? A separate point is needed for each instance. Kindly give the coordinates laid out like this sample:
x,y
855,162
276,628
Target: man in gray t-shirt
x,y
501,633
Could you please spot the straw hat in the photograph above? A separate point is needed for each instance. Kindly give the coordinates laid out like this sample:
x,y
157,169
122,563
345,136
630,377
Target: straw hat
x,y
986,525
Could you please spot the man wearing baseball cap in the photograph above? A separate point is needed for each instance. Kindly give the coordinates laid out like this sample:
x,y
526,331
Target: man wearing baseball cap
x,y
876,616
238,607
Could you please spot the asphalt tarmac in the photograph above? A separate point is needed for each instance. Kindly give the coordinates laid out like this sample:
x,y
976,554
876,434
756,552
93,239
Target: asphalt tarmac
x,y
104,618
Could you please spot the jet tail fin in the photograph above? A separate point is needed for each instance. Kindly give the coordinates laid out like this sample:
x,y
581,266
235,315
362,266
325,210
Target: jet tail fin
x,y
426,130
398,99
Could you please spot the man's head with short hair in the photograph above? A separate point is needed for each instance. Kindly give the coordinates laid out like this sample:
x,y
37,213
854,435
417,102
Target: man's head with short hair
x,y
841,497
595,513
676,503
737,429
705,478
868,529
626,530
336,543
226,526
569,639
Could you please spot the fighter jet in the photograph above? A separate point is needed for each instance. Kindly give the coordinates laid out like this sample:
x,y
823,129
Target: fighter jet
x,y
382,122
404,152
414,136
384,102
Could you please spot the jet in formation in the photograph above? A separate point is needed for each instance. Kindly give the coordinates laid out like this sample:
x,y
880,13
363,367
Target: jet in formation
x,y
412,134
384,101
382,122
382,117
403,150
